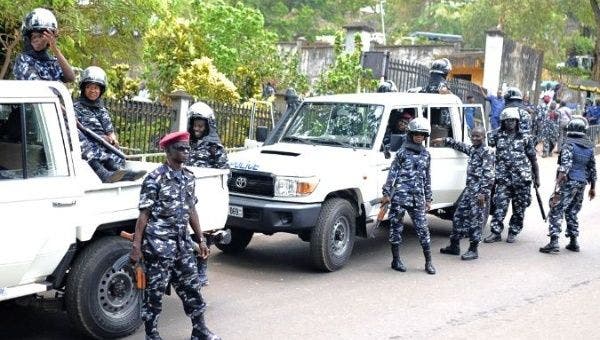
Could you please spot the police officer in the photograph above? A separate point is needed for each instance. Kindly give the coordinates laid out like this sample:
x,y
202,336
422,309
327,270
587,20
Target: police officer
x,y
397,126
471,213
437,77
91,113
167,205
387,86
516,168
39,30
549,129
514,98
410,179
206,152
576,168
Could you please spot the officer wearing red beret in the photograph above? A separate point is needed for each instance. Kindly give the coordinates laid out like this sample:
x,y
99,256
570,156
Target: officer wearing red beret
x,y
167,205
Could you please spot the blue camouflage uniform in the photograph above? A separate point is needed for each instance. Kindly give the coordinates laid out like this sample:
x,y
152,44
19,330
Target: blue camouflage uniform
x,y
37,66
411,176
548,132
94,116
513,178
436,84
578,162
469,216
169,195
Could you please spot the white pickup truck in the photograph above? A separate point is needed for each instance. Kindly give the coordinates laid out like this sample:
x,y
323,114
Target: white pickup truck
x,y
322,168
60,224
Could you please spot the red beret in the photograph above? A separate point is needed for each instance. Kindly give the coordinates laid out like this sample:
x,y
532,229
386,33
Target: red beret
x,y
181,136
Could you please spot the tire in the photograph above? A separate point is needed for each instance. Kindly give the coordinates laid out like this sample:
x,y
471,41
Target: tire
x,y
240,238
332,239
100,295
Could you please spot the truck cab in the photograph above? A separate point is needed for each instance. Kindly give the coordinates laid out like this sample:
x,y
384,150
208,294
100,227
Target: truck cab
x,y
322,171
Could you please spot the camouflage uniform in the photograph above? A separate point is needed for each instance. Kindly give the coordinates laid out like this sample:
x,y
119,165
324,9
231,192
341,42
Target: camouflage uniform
x,y
549,133
579,163
387,138
436,84
410,174
44,67
513,178
470,216
167,246
95,117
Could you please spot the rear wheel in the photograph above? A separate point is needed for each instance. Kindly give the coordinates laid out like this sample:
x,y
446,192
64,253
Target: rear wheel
x,y
101,298
240,238
332,239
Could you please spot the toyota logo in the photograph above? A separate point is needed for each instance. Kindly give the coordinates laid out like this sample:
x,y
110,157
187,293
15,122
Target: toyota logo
x,y
241,182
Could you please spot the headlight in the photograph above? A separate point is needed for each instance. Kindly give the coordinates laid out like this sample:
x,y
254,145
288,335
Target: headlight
x,y
295,186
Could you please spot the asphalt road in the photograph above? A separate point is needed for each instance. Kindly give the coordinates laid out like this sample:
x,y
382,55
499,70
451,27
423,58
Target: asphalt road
x,y
272,292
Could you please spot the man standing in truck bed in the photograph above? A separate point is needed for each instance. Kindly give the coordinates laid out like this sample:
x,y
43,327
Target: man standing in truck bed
x,y
167,205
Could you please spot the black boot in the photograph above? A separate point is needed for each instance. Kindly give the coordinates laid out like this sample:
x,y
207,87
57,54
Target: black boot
x,y
511,238
453,248
471,254
492,237
130,175
573,245
429,268
105,175
551,247
396,262
201,332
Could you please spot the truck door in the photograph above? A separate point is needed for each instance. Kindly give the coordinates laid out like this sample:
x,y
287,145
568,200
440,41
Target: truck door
x,y
448,167
38,195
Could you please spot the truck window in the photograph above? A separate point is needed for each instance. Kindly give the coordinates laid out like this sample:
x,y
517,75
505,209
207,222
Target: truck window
x,y
440,119
338,124
26,144
472,116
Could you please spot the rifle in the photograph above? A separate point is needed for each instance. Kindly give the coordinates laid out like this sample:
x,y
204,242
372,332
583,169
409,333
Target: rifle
x,y
100,140
383,209
139,270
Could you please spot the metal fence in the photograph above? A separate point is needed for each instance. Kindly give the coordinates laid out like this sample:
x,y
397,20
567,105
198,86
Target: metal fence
x,y
140,125
407,75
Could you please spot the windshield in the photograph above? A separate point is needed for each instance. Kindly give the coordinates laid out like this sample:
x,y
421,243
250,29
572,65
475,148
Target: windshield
x,y
338,124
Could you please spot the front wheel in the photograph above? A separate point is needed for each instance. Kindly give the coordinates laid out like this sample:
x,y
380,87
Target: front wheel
x,y
240,238
332,239
101,298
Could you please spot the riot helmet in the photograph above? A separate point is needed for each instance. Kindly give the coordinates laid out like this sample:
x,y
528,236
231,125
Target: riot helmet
x,y
441,66
510,113
577,127
419,125
387,86
93,75
513,93
40,19
200,110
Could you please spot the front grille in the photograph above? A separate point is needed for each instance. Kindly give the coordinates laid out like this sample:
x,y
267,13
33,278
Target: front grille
x,y
251,183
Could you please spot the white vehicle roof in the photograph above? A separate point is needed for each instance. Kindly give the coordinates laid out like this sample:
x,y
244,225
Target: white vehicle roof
x,y
28,88
388,99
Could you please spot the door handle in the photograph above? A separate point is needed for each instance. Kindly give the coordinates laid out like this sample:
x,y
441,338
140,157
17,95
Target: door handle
x,y
64,204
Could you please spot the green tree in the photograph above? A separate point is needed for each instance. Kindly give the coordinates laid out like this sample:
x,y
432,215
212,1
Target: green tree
x,y
99,33
346,75
203,81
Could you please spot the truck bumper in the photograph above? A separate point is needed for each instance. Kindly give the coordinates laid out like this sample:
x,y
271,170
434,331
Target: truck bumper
x,y
271,216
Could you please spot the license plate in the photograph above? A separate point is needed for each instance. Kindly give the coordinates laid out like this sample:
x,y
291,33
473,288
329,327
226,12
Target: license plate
x,y
235,210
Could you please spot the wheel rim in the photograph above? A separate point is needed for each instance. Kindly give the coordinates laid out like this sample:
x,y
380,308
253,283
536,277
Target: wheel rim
x,y
116,293
340,236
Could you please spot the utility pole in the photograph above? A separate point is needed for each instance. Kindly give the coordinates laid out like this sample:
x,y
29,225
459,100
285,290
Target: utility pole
x,y
382,11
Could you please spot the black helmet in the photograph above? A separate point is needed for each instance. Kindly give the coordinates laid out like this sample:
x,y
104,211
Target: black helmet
x,y
441,66
40,19
513,93
387,86
93,75
577,127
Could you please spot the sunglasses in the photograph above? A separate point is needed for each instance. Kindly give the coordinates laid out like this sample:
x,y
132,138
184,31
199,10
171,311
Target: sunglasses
x,y
182,148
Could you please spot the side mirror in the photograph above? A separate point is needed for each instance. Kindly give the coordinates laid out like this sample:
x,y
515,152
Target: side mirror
x,y
261,133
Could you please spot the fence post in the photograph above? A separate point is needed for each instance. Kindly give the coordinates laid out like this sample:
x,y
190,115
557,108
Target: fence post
x,y
181,102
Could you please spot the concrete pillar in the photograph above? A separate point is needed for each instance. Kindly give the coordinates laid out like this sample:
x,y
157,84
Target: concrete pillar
x,y
363,30
494,44
181,102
